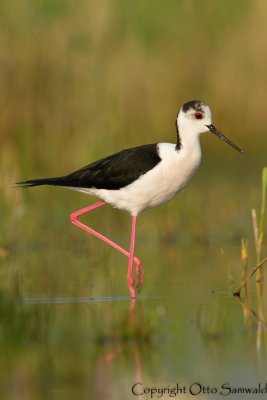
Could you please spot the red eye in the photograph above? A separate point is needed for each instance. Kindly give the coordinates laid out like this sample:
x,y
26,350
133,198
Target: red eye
x,y
198,115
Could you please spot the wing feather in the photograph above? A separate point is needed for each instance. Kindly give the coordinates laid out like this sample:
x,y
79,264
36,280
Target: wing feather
x,y
112,172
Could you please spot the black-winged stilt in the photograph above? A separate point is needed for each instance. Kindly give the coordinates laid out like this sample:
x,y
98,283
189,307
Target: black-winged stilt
x,y
141,177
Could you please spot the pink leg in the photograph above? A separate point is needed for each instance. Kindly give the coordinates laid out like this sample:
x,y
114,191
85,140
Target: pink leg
x,y
136,260
130,278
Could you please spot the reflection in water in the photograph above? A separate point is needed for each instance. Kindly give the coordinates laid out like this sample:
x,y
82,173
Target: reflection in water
x,y
123,348
71,300
216,333
105,345
249,311
258,316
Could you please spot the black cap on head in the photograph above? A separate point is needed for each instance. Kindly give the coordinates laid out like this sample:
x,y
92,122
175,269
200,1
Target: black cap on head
x,y
193,104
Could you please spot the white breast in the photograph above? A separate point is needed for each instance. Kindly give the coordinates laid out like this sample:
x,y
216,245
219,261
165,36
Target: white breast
x,y
158,185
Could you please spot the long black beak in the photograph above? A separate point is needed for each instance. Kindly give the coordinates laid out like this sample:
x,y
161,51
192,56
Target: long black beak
x,y
224,138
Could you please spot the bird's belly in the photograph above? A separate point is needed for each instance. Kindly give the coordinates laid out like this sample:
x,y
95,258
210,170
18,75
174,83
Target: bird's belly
x,y
152,189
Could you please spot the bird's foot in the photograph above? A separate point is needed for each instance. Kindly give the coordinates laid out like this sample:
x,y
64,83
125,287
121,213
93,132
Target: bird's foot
x,y
130,282
139,275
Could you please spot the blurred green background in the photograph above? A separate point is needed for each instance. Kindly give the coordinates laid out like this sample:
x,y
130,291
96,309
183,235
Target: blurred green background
x,y
79,81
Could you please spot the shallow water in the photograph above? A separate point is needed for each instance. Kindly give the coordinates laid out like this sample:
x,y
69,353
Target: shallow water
x,y
69,329
186,335
66,348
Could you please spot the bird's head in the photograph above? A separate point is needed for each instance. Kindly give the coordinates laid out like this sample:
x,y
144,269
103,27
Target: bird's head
x,y
194,118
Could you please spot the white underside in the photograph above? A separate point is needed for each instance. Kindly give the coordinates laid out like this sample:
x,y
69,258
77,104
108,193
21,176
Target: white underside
x,y
157,186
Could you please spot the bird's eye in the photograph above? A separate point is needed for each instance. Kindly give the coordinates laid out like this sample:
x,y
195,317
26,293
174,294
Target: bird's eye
x,y
198,115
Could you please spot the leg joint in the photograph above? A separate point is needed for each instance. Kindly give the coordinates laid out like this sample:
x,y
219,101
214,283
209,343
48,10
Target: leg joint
x,y
73,217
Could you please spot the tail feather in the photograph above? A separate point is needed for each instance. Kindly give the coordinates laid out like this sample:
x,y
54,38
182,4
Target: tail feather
x,y
59,181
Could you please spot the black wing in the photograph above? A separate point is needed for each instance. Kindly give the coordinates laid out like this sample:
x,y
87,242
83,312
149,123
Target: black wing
x,y
113,172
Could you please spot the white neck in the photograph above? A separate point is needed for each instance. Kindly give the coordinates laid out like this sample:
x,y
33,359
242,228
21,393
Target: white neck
x,y
189,136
